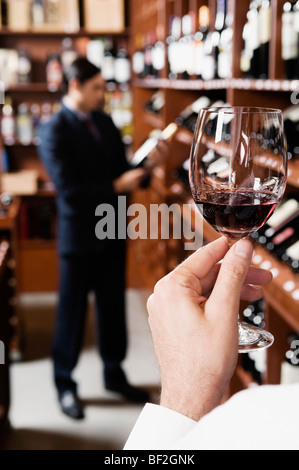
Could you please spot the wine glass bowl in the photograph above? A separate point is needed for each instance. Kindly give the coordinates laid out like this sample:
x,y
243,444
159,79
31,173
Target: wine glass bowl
x,y
238,175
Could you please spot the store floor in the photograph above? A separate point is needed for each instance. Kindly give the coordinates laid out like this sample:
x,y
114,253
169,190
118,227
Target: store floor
x,y
36,420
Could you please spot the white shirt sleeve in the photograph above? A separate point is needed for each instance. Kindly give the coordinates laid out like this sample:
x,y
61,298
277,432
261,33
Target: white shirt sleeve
x,y
161,426
259,418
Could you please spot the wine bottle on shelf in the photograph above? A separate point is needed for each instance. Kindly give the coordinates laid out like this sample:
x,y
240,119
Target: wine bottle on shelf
x,y
212,42
159,52
265,22
35,119
291,126
284,239
122,65
188,45
224,64
156,103
8,123
149,71
127,129
174,55
52,8
188,116
284,213
54,72
94,52
24,125
255,362
250,56
220,25
24,67
291,256
200,38
108,65
208,61
247,52
290,366
139,159
138,64
37,13
289,40
68,53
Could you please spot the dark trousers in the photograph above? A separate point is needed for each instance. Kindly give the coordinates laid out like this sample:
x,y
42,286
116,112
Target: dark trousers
x,y
104,273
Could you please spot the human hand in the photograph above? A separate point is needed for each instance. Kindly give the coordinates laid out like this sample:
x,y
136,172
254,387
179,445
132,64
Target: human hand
x,y
129,181
158,155
193,316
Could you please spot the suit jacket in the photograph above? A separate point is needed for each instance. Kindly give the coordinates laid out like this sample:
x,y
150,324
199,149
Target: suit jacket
x,y
254,419
82,170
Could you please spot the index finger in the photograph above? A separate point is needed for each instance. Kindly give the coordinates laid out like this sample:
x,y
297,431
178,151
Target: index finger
x,y
203,260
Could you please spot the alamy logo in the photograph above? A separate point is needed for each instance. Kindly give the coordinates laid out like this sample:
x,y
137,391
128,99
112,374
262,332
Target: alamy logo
x,y
294,355
156,221
2,353
295,97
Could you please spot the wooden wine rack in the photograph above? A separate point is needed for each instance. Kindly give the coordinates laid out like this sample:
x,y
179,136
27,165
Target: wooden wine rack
x,y
281,296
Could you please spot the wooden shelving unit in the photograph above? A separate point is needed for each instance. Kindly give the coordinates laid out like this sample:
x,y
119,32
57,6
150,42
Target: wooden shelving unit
x,y
282,296
37,259
149,259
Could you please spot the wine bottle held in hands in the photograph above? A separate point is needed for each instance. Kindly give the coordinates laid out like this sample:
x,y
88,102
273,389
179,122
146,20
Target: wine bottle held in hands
x,y
234,192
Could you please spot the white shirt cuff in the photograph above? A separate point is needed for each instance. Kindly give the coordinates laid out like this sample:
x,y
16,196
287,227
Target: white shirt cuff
x,y
158,427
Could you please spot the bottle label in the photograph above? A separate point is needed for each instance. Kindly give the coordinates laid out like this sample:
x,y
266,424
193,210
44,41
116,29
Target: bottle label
x,y
293,251
254,33
225,64
8,127
265,24
289,37
24,66
158,57
245,61
108,68
177,57
54,74
138,62
24,129
198,57
208,68
190,57
122,70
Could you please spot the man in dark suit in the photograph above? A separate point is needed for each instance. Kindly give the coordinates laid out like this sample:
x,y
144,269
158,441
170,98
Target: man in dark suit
x,y
83,152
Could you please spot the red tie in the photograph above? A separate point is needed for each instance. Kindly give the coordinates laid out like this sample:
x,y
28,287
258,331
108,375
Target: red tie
x,y
92,129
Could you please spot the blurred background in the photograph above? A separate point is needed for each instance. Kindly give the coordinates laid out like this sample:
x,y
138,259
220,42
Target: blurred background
x,y
162,60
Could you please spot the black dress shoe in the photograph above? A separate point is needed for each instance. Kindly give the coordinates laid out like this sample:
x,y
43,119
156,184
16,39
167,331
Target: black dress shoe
x,y
116,381
70,405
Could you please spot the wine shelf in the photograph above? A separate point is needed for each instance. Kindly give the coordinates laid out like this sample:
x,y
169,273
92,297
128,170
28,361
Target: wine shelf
x,y
37,87
82,32
234,83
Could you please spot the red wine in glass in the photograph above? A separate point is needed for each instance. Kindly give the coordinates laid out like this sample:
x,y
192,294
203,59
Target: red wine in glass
x,y
233,190
236,214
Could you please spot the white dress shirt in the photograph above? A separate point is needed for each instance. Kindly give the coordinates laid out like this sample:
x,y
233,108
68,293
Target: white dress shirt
x,y
259,418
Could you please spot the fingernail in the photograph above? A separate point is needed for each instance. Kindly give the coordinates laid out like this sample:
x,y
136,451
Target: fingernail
x,y
244,249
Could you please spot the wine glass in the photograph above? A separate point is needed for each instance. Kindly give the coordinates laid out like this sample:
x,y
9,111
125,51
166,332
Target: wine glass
x,y
238,174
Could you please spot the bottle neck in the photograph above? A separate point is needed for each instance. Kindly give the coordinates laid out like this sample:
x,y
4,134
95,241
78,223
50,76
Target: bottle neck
x,y
220,15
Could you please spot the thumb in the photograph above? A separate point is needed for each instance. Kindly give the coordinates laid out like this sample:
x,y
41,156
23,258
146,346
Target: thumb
x,y
226,294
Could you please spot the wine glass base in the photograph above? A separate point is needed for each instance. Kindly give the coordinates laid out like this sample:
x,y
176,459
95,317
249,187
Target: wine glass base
x,y
252,338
